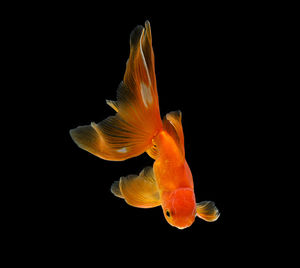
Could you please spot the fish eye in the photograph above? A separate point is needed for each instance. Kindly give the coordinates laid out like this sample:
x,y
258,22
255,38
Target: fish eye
x,y
168,213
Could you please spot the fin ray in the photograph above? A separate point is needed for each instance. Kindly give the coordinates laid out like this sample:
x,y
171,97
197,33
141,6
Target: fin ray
x,y
115,189
173,125
112,104
130,132
138,190
207,211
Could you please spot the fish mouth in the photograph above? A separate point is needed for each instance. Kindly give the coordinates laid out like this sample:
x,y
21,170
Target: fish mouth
x,y
183,226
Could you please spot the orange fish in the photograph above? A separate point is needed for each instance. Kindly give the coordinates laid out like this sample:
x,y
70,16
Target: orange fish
x,y
137,128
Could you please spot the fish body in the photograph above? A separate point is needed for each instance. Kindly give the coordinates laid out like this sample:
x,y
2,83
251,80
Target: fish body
x,y
137,128
175,181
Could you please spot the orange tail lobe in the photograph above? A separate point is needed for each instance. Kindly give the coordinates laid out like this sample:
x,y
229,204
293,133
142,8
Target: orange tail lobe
x,y
130,132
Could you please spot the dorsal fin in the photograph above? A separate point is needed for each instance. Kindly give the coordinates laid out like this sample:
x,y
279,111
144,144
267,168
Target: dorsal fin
x,y
153,150
172,124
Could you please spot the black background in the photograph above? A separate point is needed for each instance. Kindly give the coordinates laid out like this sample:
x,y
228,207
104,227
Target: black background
x,y
204,67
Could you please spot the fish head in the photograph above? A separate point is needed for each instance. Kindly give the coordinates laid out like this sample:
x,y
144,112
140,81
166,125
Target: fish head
x,y
179,207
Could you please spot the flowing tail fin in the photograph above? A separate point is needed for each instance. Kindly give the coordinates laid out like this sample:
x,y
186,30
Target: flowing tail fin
x,y
130,132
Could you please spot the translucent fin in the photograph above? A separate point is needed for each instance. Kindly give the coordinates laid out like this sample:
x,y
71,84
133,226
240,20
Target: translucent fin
x,y
112,104
130,132
140,66
153,151
115,189
138,190
207,211
172,124
112,139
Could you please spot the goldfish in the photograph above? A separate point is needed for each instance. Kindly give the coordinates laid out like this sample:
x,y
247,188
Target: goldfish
x,y
137,127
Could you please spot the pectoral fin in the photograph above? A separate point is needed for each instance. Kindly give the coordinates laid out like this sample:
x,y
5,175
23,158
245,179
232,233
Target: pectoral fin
x,y
138,190
207,211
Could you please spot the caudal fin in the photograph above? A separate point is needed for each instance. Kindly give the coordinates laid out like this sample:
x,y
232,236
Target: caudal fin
x,y
130,132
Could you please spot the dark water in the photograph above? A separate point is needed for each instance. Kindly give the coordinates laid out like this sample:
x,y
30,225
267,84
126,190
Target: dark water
x,y
203,68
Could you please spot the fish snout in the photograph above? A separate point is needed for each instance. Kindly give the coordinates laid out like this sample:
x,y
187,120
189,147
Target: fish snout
x,y
184,208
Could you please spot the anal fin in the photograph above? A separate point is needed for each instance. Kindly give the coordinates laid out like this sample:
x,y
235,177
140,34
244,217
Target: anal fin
x,y
138,190
115,189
